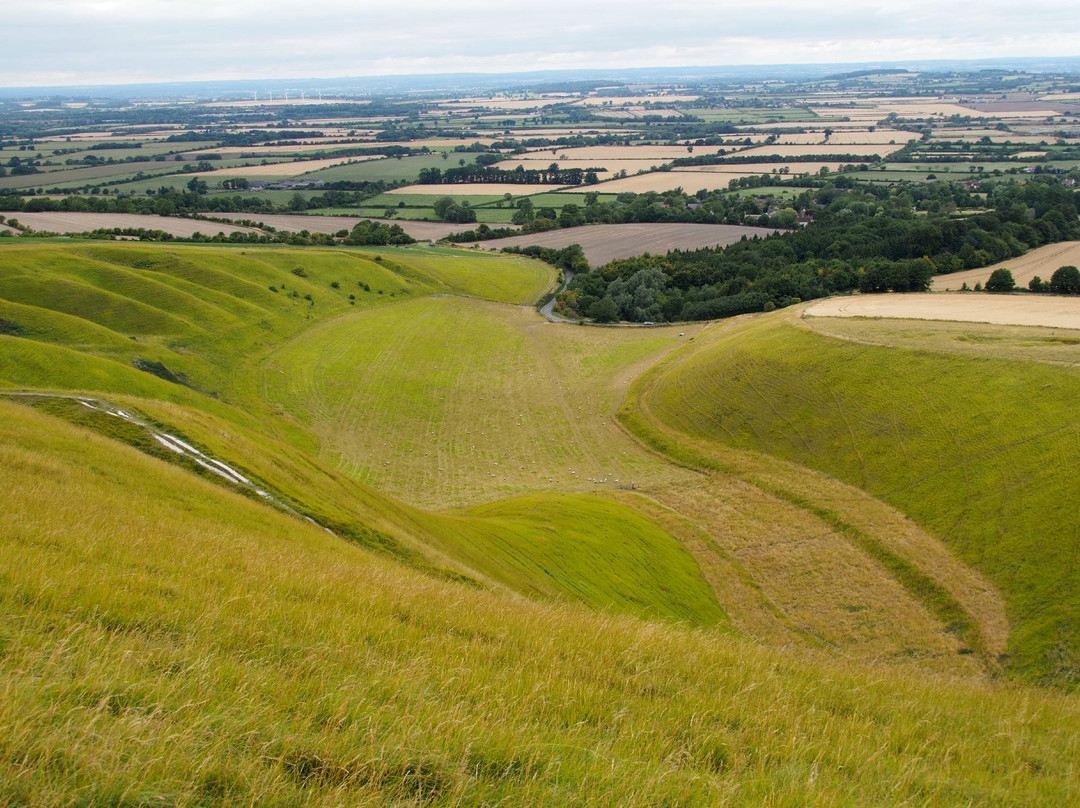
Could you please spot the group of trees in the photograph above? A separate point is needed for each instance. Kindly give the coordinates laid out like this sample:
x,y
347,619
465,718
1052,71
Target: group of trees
x,y
480,173
866,238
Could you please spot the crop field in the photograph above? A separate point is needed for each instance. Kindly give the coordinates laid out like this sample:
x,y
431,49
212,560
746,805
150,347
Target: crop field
x,y
74,222
1042,262
602,166
693,179
386,168
962,447
606,242
283,169
421,231
1038,310
489,189
800,149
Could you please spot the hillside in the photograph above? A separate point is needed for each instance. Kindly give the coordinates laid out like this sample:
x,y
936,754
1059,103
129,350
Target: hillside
x,y
193,647
458,573
977,448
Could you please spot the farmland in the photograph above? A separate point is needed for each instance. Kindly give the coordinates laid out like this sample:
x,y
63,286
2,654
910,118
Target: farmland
x,y
1041,262
606,242
1052,312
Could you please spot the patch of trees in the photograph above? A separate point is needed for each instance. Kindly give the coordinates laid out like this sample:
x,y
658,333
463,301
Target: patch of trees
x,y
367,233
868,238
477,173
1064,281
450,210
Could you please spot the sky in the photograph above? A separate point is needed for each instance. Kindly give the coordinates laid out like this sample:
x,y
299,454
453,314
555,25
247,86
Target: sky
x,y
75,42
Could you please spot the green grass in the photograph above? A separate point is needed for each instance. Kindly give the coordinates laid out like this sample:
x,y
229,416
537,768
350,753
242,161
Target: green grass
x,y
980,451
269,662
446,401
388,169
165,639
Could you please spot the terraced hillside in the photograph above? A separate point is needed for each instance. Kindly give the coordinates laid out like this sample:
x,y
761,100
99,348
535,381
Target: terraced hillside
x,y
507,596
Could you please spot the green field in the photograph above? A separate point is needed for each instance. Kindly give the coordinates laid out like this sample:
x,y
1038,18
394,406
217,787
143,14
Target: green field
x,y
978,451
510,594
388,169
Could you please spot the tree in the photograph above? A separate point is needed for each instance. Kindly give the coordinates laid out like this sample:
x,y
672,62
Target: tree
x,y
1037,284
1001,280
197,185
604,310
442,205
524,213
1065,281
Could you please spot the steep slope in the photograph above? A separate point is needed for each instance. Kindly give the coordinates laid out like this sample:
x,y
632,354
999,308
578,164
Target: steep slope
x,y
979,450
165,641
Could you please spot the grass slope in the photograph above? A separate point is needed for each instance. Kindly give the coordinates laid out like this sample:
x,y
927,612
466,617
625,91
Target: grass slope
x,y
191,647
979,450
449,402
210,289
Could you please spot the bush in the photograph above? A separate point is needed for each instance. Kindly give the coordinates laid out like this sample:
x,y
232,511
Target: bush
x,y
1065,281
1037,284
1001,280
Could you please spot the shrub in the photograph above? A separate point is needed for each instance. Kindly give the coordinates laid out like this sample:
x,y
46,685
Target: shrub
x,y
1001,280
1037,284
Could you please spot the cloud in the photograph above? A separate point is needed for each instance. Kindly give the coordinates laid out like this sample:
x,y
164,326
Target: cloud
x,y
98,41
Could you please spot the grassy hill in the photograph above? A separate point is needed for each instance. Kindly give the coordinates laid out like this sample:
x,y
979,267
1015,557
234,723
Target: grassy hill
x,y
166,641
978,449
463,581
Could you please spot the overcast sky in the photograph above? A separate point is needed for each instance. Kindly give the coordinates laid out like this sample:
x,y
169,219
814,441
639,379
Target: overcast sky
x,y
51,42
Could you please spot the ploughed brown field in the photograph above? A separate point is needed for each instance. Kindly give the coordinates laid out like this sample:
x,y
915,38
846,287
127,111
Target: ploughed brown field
x,y
64,222
421,231
606,242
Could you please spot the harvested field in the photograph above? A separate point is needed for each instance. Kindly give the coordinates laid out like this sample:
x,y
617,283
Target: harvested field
x,y
235,152
660,181
854,136
421,231
757,169
796,150
62,222
608,166
1042,262
1038,310
290,169
606,153
696,178
616,102
476,189
606,242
